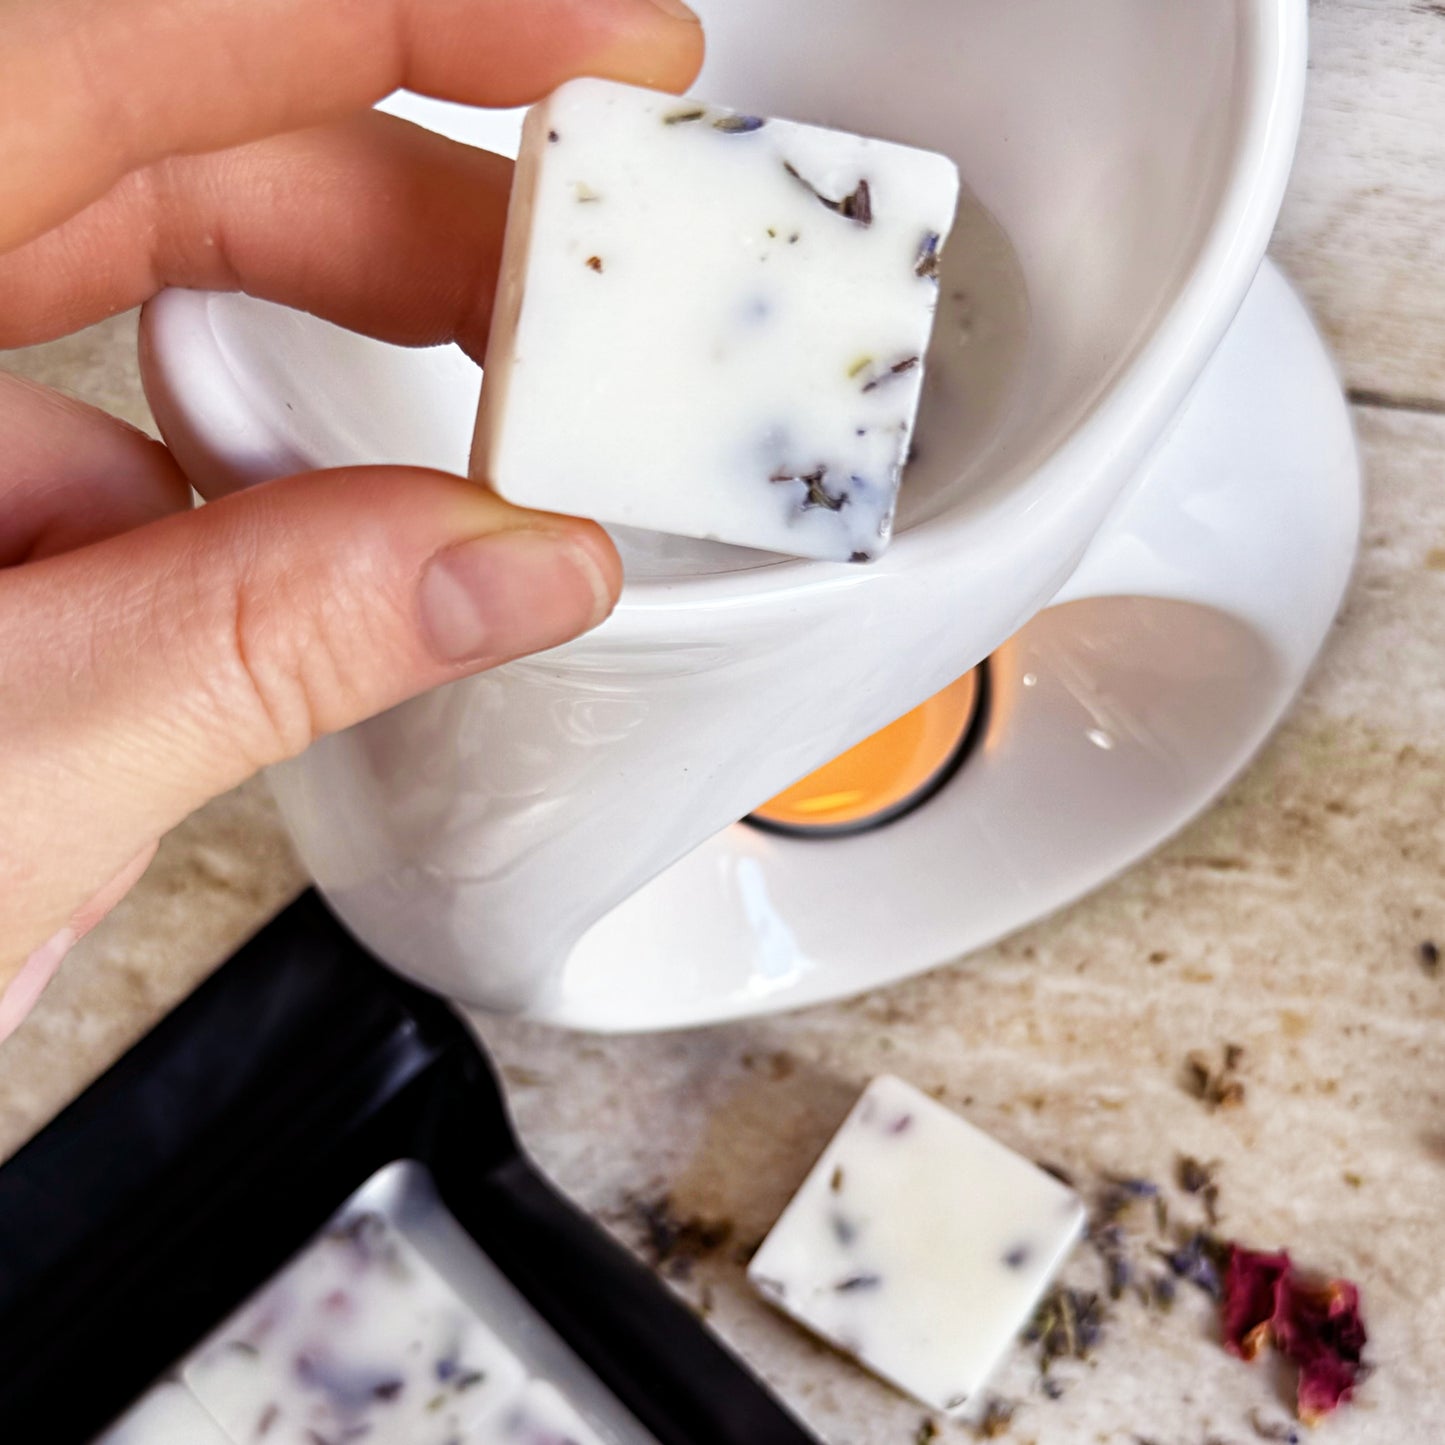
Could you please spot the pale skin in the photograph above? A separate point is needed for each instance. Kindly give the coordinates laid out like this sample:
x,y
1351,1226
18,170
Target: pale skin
x,y
153,656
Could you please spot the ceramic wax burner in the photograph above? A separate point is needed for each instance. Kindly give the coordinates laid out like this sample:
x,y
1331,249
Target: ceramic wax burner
x,y
562,836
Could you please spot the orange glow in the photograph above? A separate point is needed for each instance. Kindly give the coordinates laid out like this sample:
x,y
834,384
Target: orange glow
x,y
884,772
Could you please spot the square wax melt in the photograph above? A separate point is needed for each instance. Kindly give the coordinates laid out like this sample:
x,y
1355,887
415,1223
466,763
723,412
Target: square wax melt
x,y
918,1244
711,324
357,1336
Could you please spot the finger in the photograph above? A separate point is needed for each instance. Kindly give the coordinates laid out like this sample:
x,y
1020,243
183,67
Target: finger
x,y
71,475
93,89
373,223
144,674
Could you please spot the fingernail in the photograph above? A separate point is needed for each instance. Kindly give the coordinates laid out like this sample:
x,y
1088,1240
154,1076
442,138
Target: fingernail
x,y
27,985
677,10
511,593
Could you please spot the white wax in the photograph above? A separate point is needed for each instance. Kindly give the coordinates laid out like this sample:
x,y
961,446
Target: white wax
x,y
391,1327
709,324
541,1417
918,1244
360,1335
169,1415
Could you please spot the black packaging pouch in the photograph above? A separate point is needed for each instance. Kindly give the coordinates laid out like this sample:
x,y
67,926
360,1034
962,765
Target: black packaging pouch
x,y
217,1148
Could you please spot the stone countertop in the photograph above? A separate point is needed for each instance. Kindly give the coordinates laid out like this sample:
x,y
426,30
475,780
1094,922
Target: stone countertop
x,y
1289,921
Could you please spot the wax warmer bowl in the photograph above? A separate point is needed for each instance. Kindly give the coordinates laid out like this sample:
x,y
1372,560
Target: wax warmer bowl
x,y
1148,531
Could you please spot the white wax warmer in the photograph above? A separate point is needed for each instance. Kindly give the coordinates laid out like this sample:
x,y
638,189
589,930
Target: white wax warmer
x,y
1147,523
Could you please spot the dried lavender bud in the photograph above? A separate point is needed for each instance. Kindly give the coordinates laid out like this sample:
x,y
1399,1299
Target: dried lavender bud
x,y
815,493
997,1417
855,207
1217,1090
669,1238
738,124
1209,1196
1430,957
553,137
1017,1257
856,1282
1197,1076
844,1230
1120,1274
1066,1325
899,368
1107,1238
926,265
859,206
1192,1175
1135,1188
1200,1260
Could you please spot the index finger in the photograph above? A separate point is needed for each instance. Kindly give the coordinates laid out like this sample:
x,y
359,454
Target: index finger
x,y
93,89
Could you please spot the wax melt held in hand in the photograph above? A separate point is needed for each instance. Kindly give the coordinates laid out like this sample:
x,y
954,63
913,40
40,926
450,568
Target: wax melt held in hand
x,y
918,1244
711,324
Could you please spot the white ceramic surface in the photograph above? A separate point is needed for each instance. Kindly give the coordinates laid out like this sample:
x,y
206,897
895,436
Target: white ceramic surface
x,y
1116,716
1134,154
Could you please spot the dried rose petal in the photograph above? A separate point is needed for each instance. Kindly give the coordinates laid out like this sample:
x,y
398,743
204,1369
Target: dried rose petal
x,y
1315,1324
1321,1330
1253,1284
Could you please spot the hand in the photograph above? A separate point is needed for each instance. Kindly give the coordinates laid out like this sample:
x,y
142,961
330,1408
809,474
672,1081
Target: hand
x,y
152,656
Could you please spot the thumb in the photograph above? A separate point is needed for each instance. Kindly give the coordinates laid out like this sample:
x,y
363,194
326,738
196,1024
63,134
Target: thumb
x,y
146,673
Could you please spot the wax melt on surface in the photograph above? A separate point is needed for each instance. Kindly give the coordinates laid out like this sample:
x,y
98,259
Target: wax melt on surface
x,y
918,1244
711,324
390,1326
357,1335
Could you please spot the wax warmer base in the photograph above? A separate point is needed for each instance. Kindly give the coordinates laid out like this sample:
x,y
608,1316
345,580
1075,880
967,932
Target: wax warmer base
x,y
1114,720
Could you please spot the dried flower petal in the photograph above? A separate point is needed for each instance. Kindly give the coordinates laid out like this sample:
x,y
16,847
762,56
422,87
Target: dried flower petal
x,y
1315,1324
1321,1330
1252,1289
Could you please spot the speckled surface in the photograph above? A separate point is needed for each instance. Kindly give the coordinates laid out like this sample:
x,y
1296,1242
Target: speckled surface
x,y
1288,920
